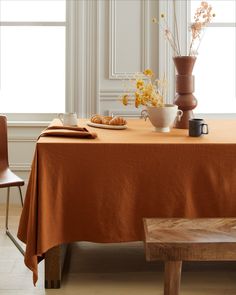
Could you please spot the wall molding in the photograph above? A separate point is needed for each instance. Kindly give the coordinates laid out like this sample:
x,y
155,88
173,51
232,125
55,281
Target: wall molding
x,y
145,48
24,167
83,57
28,124
22,139
125,113
112,94
25,131
29,118
92,57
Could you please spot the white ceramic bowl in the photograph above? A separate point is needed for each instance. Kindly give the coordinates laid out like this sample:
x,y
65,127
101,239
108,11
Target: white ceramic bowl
x,y
162,118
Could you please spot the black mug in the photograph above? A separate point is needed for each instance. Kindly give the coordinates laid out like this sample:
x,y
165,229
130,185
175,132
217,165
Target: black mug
x,y
197,127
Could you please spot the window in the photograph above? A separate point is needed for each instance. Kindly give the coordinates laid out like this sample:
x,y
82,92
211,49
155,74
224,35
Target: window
x,y
32,56
215,87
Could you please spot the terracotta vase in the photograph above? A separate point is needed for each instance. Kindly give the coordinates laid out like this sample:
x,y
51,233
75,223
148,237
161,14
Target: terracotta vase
x,y
184,99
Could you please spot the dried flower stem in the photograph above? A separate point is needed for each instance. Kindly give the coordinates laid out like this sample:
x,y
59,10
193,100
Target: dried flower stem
x,y
170,37
200,40
176,29
202,17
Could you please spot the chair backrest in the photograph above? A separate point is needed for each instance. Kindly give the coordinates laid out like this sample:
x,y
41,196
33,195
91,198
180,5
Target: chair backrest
x,y
3,143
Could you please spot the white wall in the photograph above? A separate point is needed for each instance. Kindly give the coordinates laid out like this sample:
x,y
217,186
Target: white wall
x,y
107,40
128,44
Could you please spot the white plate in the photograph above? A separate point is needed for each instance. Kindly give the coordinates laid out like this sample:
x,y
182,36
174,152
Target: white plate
x,y
104,126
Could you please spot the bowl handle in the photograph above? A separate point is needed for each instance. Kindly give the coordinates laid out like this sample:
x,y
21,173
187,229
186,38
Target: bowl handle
x,y
60,117
179,115
144,114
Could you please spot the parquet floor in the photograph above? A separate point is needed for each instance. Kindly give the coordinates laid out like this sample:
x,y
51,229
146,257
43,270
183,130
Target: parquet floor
x,y
117,269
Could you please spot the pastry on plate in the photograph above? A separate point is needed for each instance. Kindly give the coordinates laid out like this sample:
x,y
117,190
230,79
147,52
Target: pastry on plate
x,y
117,121
108,120
96,119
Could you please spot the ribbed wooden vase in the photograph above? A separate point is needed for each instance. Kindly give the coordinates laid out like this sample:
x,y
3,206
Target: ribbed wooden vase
x,y
184,99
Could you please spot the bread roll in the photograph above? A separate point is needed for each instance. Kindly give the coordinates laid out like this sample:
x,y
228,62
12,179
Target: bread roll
x,y
117,121
96,119
106,120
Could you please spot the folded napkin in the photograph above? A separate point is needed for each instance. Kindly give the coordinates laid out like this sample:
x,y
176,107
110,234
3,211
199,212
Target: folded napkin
x,y
66,131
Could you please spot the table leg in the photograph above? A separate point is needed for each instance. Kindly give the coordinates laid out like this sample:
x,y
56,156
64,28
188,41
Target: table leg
x,y
54,261
172,277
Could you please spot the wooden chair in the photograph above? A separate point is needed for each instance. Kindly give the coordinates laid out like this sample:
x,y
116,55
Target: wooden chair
x,y
7,178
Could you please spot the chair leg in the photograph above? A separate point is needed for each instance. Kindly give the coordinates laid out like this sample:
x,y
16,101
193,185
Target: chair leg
x,y
21,198
7,207
7,215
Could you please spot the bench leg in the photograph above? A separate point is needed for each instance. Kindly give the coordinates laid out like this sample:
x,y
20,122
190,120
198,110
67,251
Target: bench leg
x,y
172,277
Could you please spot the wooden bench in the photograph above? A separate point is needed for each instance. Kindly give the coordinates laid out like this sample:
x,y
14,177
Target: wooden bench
x,y
175,240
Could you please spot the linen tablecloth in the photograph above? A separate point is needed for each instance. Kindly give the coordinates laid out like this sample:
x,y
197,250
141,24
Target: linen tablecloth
x,y
99,190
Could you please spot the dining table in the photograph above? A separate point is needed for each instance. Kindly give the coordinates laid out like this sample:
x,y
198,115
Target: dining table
x,y
99,188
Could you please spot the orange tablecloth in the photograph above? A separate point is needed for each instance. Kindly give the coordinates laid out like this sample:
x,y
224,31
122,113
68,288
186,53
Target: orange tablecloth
x,y
99,190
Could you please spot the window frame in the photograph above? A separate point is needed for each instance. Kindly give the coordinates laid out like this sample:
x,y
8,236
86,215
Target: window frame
x,y
183,12
32,118
82,63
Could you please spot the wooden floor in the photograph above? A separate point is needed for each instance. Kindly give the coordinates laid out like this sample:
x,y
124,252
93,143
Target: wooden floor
x,y
117,269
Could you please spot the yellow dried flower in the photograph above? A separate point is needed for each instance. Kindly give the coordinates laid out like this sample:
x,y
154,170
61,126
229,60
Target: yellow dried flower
x,y
148,92
154,103
154,20
160,100
125,99
148,73
138,100
139,84
144,100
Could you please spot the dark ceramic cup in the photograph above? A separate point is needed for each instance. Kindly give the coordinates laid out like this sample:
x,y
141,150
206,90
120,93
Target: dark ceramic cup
x,y
197,127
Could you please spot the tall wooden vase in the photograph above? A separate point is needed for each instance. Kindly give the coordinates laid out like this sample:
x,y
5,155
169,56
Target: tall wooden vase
x,y
184,99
